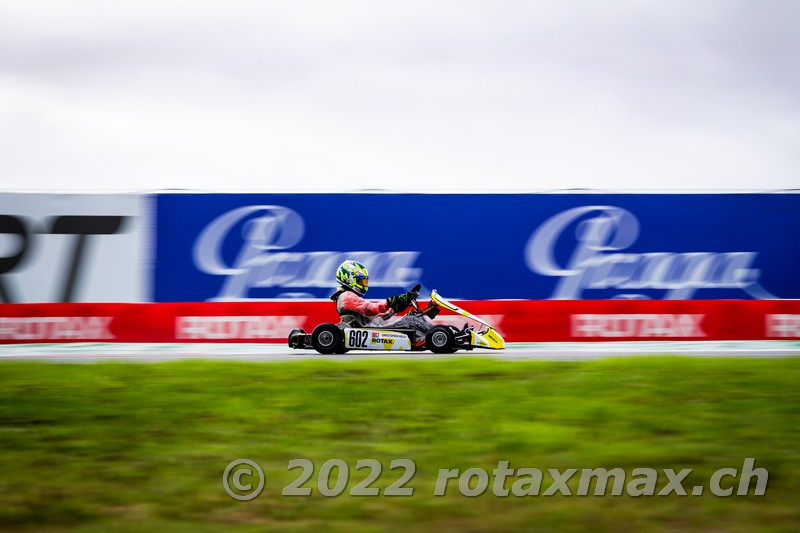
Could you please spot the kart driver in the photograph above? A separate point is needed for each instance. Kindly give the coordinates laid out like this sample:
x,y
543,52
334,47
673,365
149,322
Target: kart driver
x,y
353,278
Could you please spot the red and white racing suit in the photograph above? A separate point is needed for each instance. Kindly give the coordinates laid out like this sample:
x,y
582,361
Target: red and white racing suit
x,y
375,313
350,303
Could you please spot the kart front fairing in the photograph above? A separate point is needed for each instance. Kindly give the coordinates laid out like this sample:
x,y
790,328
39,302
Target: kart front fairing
x,y
488,338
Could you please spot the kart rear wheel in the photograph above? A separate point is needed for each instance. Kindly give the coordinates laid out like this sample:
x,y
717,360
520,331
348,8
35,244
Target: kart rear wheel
x,y
440,339
327,339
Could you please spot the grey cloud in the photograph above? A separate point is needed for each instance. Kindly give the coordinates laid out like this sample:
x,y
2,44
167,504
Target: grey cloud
x,y
612,94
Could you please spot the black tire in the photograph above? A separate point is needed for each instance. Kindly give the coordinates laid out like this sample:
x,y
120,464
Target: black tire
x,y
327,339
440,339
455,331
341,350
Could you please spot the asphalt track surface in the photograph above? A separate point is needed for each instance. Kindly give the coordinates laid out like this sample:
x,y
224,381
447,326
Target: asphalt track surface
x,y
92,352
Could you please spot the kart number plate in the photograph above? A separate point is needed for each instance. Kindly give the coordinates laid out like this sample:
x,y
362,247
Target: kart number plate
x,y
358,338
370,339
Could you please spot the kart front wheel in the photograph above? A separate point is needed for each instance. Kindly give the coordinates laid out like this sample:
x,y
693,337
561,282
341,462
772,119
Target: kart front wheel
x,y
327,339
440,339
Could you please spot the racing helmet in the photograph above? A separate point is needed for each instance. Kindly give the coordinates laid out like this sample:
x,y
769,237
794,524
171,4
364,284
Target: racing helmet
x,y
354,276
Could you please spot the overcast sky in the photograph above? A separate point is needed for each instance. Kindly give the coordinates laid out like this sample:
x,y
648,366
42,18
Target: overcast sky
x,y
405,95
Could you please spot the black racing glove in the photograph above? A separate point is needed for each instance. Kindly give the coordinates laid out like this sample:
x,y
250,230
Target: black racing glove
x,y
401,302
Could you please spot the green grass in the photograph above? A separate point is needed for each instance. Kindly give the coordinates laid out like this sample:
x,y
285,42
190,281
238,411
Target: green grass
x,y
128,447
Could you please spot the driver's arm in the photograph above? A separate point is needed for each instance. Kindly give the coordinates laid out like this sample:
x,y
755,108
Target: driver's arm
x,y
355,303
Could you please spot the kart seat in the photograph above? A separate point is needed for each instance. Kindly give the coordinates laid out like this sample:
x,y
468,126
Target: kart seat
x,y
351,321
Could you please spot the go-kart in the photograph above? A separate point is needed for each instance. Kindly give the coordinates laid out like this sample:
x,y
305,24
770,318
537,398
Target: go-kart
x,y
340,338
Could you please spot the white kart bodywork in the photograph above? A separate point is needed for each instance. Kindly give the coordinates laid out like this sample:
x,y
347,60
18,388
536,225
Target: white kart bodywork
x,y
375,339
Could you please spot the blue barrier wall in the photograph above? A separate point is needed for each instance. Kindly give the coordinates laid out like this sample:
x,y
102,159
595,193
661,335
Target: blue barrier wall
x,y
518,246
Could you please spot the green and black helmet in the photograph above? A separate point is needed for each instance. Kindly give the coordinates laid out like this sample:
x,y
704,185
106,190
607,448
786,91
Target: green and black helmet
x,y
354,276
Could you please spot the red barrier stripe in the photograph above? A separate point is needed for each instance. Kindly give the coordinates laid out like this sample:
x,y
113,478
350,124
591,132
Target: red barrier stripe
x,y
517,320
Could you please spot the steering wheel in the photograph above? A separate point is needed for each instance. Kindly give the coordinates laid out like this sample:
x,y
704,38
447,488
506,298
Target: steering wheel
x,y
414,303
